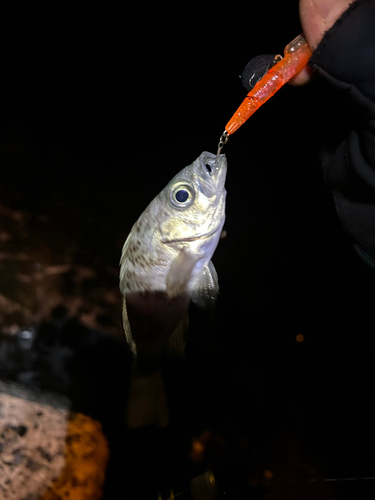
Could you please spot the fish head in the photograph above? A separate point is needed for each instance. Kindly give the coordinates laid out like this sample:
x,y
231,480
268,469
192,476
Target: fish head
x,y
177,234
194,205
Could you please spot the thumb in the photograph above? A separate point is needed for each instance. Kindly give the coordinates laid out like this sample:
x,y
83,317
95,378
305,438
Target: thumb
x,y
317,16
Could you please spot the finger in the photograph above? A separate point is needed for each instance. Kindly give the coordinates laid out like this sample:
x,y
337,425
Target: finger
x,y
318,16
303,77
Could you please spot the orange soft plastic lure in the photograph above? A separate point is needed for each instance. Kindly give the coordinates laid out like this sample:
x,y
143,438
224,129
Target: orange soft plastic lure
x,y
296,55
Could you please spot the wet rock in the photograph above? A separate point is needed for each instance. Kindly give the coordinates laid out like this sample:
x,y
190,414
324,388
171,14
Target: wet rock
x,y
46,451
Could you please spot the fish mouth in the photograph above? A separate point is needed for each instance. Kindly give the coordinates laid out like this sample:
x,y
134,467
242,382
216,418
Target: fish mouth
x,y
211,170
193,238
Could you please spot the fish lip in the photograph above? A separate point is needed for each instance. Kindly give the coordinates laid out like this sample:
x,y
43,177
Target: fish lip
x,y
214,180
193,238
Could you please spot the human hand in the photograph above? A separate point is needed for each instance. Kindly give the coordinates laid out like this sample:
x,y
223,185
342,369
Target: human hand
x,y
317,16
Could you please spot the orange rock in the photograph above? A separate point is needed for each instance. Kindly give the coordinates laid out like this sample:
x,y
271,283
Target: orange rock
x,y
86,458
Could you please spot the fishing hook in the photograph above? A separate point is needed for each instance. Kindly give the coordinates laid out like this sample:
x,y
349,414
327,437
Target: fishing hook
x,y
223,140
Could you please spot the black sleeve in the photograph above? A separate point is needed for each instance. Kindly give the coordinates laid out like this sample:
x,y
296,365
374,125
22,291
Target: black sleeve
x,y
346,58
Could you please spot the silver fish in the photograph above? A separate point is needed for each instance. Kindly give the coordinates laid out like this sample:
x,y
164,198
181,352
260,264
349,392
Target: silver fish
x,y
169,248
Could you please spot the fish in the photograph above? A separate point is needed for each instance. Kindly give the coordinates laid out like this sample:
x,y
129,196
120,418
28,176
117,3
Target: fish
x,y
169,249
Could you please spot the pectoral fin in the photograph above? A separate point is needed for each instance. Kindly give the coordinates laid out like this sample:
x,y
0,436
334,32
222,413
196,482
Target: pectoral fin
x,y
206,287
180,273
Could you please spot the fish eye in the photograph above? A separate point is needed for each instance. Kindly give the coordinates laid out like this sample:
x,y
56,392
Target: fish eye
x,y
182,195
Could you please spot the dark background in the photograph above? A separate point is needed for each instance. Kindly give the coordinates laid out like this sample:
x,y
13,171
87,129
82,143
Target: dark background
x,y
103,102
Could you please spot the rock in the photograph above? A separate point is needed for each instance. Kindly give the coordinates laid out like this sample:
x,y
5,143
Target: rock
x,y
46,451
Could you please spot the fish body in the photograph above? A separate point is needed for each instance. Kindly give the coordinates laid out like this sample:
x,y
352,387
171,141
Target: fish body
x,y
165,262
169,248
